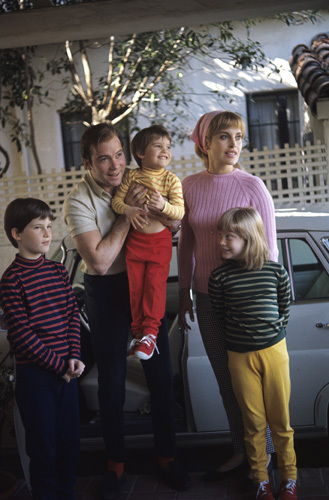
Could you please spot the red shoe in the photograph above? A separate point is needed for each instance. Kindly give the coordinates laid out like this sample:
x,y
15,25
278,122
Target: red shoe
x,y
264,491
288,490
134,344
145,348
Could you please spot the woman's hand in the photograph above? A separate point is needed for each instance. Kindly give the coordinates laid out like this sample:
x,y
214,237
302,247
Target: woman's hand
x,y
185,306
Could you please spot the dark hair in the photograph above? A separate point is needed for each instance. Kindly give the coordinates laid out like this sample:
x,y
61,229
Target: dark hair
x,y
21,211
143,138
102,132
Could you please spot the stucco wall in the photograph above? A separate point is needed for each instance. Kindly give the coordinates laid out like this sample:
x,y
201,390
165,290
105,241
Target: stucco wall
x,y
277,41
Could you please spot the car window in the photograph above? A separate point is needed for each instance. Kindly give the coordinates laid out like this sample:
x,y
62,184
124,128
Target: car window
x,y
309,278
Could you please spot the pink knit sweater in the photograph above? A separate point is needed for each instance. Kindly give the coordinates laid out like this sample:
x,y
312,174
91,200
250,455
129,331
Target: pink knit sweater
x,y
207,196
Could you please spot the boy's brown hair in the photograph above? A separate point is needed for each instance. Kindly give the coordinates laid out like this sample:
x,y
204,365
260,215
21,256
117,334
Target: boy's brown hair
x,y
21,211
143,138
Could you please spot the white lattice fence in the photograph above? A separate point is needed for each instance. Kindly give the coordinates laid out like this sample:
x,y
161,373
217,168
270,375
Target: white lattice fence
x,y
291,174
51,187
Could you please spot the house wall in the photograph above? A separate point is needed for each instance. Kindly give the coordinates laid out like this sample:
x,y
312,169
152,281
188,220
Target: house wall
x,y
277,41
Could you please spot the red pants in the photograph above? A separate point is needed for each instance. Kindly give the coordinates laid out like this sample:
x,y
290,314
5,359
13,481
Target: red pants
x,y
148,259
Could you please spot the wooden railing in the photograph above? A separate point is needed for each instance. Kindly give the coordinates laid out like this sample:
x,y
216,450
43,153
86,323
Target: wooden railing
x,y
298,174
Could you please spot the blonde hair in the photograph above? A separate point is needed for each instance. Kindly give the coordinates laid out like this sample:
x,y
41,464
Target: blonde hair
x,y
221,121
248,224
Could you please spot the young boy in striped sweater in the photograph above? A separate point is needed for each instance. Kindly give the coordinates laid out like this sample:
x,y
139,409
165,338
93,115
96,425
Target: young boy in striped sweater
x,y
149,242
44,335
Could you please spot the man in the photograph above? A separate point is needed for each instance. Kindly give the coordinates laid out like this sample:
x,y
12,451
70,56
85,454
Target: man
x,y
99,235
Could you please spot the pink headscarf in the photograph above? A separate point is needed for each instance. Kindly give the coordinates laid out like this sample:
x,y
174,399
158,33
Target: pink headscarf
x,y
199,133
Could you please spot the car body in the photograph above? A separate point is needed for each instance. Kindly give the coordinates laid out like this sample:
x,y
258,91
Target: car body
x,y
303,242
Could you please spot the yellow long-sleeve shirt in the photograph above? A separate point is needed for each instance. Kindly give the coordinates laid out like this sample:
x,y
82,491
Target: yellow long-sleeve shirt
x,y
164,181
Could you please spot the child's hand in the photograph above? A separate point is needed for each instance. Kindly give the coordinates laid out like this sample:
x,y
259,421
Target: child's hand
x,y
156,201
67,377
137,217
76,367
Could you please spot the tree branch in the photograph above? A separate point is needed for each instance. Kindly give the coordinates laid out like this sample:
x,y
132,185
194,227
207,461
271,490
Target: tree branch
x,y
87,72
75,77
118,79
110,72
133,71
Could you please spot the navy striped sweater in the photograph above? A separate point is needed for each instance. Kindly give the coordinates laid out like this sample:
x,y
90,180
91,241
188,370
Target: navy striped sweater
x,y
41,313
252,306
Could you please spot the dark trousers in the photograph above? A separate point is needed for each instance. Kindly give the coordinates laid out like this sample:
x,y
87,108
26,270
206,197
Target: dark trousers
x,y
50,414
108,310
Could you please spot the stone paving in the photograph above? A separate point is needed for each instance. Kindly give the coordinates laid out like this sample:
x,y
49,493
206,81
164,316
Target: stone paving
x,y
313,484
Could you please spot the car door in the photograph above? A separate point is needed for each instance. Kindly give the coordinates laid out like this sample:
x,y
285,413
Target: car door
x,y
307,330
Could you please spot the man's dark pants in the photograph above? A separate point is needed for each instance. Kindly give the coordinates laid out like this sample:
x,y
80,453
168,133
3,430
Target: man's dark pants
x,y
108,310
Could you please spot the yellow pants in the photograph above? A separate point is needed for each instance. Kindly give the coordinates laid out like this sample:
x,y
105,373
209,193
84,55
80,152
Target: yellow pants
x,y
261,384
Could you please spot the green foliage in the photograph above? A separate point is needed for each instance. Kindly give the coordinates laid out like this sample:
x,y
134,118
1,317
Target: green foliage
x,y
143,71
298,18
147,68
19,83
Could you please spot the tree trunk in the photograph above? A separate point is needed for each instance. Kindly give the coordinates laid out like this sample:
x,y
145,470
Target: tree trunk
x,y
29,113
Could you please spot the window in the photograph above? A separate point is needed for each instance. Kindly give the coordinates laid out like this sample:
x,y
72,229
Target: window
x,y
309,278
71,133
72,129
273,119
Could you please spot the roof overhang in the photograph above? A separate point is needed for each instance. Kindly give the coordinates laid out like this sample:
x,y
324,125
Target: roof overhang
x,y
46,24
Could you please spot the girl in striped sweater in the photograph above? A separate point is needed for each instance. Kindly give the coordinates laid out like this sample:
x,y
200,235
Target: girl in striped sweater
x,y
251,298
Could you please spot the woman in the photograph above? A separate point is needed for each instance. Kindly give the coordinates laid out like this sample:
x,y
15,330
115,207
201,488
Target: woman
x,y
218,138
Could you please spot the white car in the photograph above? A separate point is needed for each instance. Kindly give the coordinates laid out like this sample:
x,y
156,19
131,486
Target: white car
x,y
303,242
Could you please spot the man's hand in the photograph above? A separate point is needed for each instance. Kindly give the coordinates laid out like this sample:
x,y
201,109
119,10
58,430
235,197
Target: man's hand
x,y
136,195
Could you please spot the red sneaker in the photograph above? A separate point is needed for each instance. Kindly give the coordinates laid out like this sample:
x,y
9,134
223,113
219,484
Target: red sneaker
x,y
288,490
264,491
134,344
145,348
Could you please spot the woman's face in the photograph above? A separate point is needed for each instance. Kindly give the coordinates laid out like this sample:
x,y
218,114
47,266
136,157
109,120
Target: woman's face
x,y
224,148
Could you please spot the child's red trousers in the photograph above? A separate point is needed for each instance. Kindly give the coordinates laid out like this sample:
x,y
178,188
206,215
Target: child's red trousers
x,y
148,259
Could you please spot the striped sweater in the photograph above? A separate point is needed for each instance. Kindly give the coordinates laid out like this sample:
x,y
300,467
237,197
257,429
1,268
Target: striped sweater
x,y
41,313
252,306
164,181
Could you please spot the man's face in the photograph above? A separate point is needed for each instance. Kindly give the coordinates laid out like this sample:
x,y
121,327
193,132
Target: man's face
x,y
107,164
